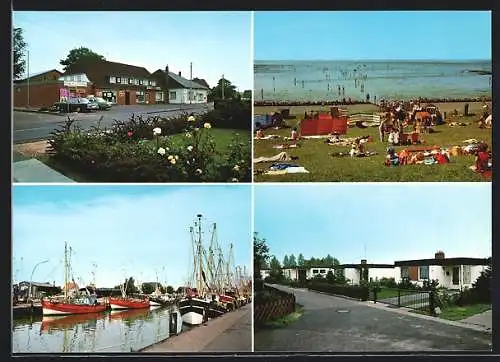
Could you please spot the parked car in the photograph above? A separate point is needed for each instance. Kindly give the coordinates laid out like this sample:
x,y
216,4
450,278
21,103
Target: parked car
x,y
101,102
77,105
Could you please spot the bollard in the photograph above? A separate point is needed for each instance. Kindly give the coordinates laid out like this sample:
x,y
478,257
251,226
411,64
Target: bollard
x,y
466,109
173,323
399,298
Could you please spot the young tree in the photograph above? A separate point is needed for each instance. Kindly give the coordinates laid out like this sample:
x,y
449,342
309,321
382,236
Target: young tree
x,y
223,90
77,54
291,261
330,277
276,272
286,262
18,50
300,260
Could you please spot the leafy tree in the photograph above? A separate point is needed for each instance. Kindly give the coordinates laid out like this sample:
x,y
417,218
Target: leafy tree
x,y
276,272
130,286
291,261
330,277
148,288
328,261
170,289
77,54
482,285
286,262
247,94
300,260
223,88
260,254
18,49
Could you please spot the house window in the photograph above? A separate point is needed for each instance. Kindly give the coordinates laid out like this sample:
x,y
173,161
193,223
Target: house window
x,y
131,81
315,271
112,79
136,81
139,97
78,77
466,274
159,96
141,82
322,271
118,80
423,273
405,273
152,83
173,96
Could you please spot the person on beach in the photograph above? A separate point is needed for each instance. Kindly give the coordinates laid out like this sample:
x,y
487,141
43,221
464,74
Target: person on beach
x,y
295,135
260,133
343,91
482,163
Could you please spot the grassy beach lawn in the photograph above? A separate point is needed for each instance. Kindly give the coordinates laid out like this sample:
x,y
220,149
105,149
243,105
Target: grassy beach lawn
x,y
314,154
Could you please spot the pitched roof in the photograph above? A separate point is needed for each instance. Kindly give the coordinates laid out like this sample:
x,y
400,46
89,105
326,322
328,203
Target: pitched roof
x,y
98,70
203,82
36,75
177,81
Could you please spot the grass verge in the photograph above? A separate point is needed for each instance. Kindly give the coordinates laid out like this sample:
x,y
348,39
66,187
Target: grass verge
x,y
456,313
286,320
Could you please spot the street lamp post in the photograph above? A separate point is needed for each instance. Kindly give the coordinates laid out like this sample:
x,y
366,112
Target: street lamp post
x,y
28,79
33,272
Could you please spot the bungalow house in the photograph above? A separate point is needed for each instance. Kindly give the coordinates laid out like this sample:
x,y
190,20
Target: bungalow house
x,y
181,90
451,273
355,273
37,90
116,82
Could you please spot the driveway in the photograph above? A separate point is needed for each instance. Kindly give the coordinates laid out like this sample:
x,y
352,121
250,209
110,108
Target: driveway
x,y
334,324
35,126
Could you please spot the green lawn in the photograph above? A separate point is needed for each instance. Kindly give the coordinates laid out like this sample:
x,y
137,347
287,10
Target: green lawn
x,y
286,320
223,138
457,313
315,156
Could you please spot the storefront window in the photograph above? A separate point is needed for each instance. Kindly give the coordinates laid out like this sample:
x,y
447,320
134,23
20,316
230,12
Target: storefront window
x,y
109,96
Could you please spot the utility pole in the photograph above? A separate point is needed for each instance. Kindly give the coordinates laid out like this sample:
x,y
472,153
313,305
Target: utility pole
x,y
222,86
28,78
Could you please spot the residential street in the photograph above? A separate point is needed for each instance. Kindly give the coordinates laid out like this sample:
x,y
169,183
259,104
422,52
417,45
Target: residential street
x,y
35,126
334,324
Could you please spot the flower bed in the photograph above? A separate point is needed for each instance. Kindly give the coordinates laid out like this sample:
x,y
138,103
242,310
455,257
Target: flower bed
x,y
154,149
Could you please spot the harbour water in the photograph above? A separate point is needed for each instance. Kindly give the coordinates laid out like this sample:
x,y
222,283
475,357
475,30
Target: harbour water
x,y
115,331
335,80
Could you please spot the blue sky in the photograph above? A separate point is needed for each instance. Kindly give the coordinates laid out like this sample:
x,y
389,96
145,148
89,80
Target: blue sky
x,y
395,221
125,229
353,35
216,42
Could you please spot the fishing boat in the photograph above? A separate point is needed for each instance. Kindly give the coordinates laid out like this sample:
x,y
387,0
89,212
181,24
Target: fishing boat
x,y
194,305
74,304
126,302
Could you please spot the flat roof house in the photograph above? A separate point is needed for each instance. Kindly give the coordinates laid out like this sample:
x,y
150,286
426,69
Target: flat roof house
x,y
37,90
354,272
181,90
451,273
119,83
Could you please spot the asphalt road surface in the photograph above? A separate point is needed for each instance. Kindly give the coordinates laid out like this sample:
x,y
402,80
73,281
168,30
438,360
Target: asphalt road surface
x,y
36,126
333,324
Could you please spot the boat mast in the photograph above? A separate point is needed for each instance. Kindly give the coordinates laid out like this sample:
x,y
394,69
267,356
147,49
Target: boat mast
x,y
198,255
66,270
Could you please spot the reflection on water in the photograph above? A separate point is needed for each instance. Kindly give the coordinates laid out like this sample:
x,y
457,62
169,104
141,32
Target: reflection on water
x,y
115,331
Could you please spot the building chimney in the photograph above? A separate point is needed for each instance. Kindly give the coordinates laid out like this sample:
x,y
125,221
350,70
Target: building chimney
x,y
166,93
363,261
180,75
166,69
439,255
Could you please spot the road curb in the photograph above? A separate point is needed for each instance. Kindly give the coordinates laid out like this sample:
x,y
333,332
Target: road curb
x,y
407,311
36,111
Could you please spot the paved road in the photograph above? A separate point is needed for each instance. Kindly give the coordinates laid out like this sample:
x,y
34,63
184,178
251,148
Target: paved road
x,y
34,126
333,324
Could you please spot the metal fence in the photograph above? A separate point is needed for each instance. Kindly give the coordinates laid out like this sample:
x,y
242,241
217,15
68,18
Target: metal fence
x,y
407,298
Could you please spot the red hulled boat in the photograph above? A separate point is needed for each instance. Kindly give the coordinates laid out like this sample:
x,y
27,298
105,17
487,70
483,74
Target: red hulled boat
x,y
55,307
128,303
